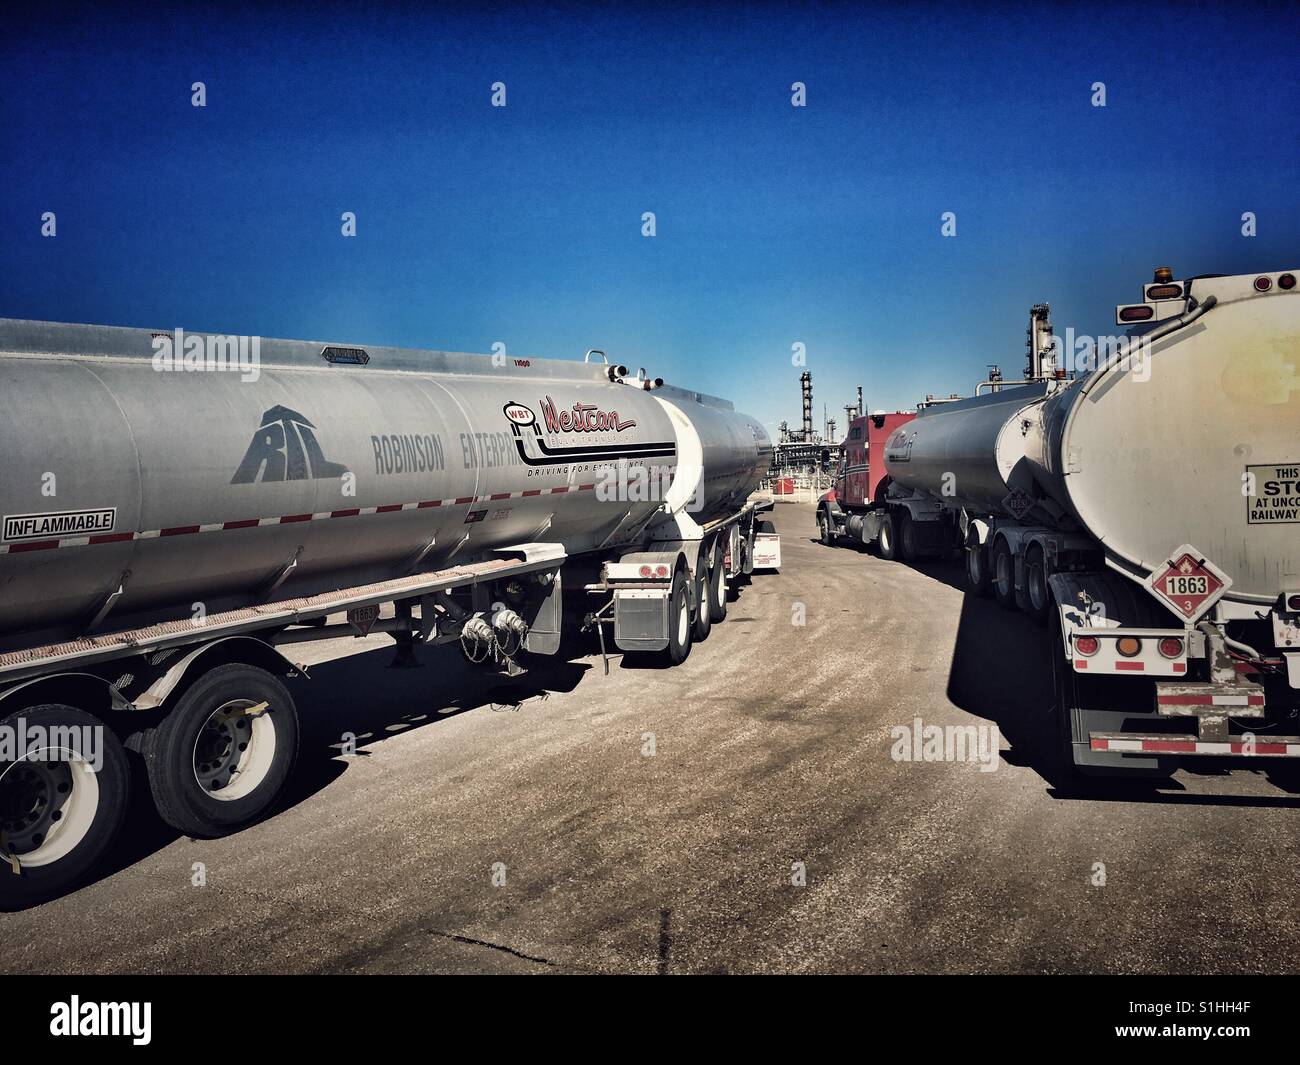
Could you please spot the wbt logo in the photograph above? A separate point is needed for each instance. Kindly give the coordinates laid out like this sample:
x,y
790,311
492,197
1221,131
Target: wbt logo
x,y
285,449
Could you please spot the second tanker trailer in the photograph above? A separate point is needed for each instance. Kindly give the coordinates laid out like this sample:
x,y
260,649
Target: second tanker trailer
x,y
179,507
1148,509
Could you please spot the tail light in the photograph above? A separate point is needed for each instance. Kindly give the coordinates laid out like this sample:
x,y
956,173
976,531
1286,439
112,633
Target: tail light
x,y
1286,281
1293,601
1164,292
1171,647
1087,645
1129,646
646,571
1263,284
1138,312
661,571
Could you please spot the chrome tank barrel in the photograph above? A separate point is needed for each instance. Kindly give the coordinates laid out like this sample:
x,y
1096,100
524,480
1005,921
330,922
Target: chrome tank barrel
x,y
188,487
963,451
1191,438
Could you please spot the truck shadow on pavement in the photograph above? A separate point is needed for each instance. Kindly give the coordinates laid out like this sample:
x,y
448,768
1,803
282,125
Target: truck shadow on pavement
x,y
1001,671
362,696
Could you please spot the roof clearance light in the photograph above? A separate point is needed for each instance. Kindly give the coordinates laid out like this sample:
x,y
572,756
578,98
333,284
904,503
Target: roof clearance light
x,y
1163,273
1164,292
1286,281
1263,284
1087,645
1139,312
1129,646
1171,647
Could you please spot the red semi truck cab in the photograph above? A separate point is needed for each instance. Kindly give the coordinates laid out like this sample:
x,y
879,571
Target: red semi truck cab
x,y
850,509
862,467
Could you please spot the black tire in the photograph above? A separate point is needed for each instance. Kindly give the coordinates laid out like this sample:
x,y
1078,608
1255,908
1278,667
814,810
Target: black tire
x,y
1059,746
1003,576
908,549
175,760
977,569
824,531
1038,593
679,619
36,796
887,538
703,618
718,587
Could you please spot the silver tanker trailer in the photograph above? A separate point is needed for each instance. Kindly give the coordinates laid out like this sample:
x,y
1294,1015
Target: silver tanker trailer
x,y
1148,509
178,508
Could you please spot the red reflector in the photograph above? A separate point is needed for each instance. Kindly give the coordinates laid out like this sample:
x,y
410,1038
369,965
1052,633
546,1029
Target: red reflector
x,y
1171,647
1139,312
1087,645
1263,284
1286,281
1164,292
646,571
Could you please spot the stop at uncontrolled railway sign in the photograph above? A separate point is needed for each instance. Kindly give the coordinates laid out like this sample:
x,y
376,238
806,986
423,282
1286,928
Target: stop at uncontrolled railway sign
x,y
1188,583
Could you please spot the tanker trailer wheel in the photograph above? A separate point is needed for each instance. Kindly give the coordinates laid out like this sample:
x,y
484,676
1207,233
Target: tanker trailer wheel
x,y
908,549
220,758
825,534
679,618
977,569
887,538
1038,593
703,617
61,807
1003,575
718,587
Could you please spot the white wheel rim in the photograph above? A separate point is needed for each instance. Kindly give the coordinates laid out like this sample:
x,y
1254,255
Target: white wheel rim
x,y
885,537
76,815
683,623
722,587
225,770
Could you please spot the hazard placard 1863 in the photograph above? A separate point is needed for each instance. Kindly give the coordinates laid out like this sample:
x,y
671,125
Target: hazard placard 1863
x,y
1188,583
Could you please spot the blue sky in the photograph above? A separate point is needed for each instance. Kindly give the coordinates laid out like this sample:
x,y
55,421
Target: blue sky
x,y
775,224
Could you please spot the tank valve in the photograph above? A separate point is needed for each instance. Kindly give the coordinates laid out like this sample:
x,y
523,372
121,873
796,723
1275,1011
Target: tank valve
x,y
477,628
506,621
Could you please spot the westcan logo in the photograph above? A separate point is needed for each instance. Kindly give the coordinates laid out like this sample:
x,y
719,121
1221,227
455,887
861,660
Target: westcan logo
x,y
582,418
535,449
285,448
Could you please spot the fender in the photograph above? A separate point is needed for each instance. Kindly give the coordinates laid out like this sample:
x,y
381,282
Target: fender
x,y
254,651
114,697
